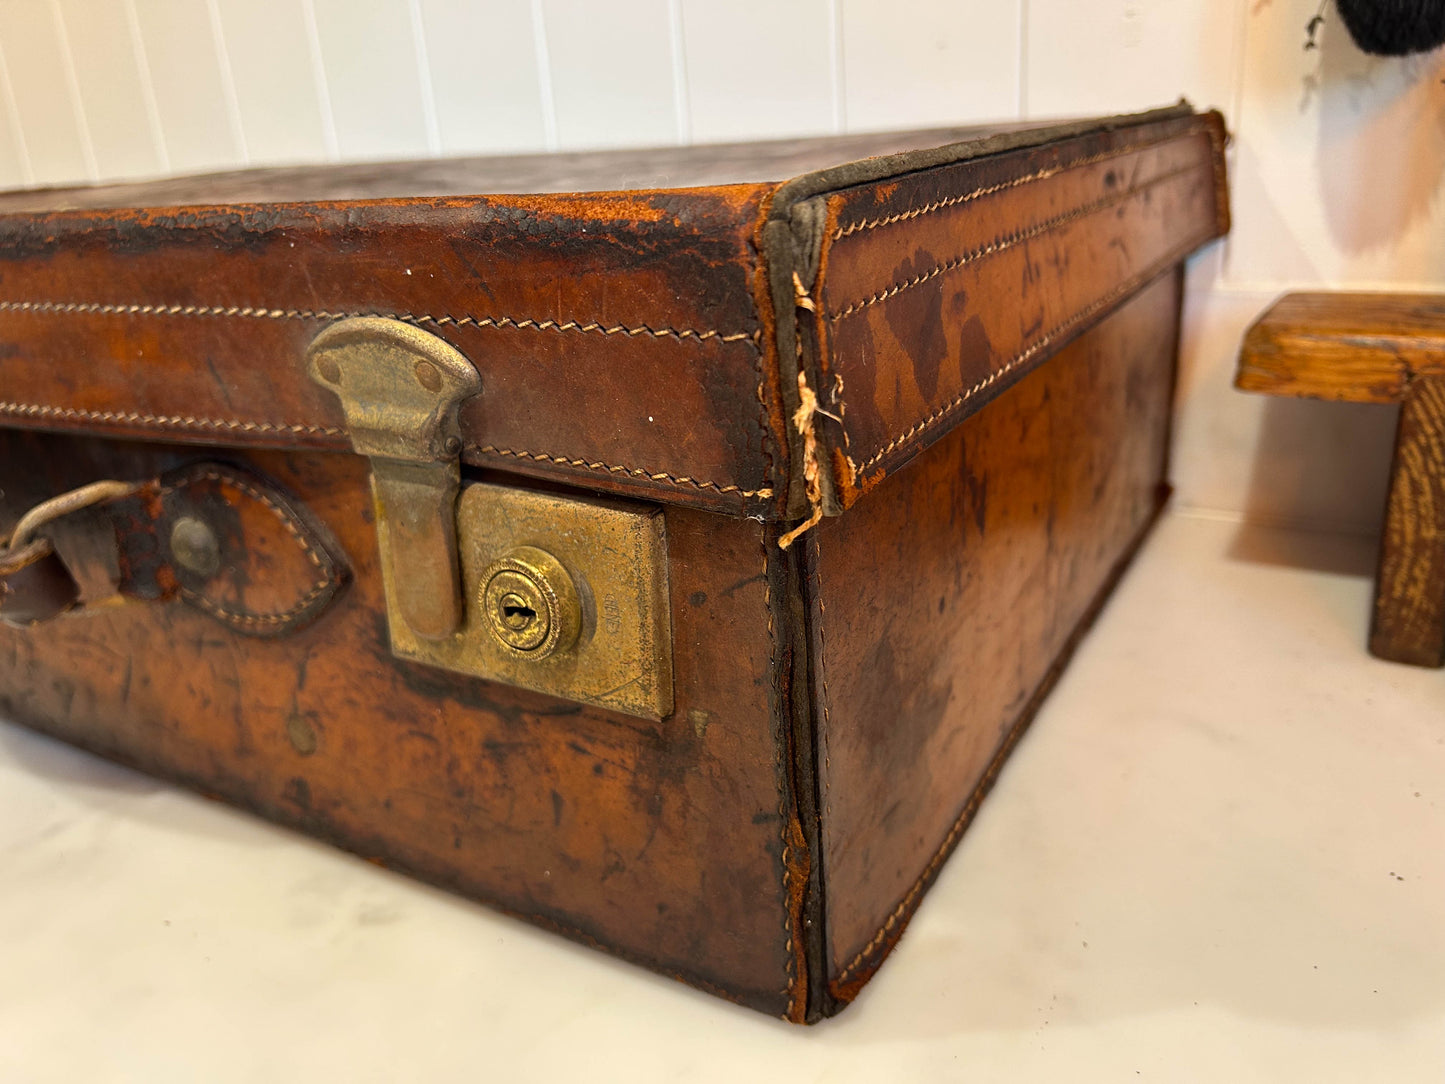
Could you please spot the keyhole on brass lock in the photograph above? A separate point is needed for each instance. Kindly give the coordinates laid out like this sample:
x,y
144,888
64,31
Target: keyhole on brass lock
x,y
530,603
516,614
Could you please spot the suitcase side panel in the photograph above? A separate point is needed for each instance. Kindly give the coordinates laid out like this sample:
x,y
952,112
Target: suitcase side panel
x,y
943,602
939,289
662,842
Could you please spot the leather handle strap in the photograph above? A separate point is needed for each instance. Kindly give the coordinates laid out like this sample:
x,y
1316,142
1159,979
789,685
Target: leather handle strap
x,y
210,536
57,507
35,584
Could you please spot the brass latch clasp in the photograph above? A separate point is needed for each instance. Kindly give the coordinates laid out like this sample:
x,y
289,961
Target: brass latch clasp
x,y
564,595
400,388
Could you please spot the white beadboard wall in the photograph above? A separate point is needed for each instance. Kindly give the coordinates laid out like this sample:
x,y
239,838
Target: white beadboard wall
x,y
1337,160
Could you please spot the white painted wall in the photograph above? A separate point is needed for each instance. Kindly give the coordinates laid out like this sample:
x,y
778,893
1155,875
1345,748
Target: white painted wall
x,y
1337,158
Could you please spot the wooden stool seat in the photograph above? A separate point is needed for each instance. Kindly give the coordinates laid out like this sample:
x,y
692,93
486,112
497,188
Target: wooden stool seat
x,y
1376,348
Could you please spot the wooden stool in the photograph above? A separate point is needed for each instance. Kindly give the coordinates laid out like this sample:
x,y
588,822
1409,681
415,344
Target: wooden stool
x,y
1377,348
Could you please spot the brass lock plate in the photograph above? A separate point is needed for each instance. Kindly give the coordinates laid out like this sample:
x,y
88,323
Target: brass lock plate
x,y
562,596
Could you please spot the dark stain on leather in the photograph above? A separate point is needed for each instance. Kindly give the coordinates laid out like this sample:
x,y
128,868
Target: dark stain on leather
x,y
144,570
975,353
514,706
917,708
298,791
916,318
732,394
865,427
976,487
138,233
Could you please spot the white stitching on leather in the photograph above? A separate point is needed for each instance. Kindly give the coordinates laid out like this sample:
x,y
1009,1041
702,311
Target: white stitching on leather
x,y
636,472
250,311
1025,354
988,190
175,421
1008,240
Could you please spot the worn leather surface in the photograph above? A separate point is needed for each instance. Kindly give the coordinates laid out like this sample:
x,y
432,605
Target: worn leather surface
x,y
615,335
979,560
625,340
660,841
937,290
696,166
838,706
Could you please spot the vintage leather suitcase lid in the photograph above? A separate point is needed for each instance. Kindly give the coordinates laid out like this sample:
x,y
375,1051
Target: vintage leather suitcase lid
x,y
646,340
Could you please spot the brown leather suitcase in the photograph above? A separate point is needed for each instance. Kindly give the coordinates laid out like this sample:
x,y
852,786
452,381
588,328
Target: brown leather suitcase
x,y
670,565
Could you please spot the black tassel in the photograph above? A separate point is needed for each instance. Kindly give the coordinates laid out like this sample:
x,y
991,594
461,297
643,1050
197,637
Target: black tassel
x,y
1394,27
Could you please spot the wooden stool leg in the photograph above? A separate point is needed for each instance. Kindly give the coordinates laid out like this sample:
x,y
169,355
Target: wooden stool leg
x,y
1409,622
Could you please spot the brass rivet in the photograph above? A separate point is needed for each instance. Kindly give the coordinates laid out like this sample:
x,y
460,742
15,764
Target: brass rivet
x,y
328,370
427,376
194,546
301,733
530,604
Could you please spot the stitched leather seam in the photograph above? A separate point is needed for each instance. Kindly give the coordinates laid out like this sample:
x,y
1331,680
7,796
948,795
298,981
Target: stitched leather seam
x,y
763,426
236,617
823,678
318,561
988,190
250,311
1003,242
241,617
636,472
788,970
827,743
757,277
1027,353
178,421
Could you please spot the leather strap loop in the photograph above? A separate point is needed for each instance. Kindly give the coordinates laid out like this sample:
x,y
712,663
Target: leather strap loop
x,y
35,584
211,536
64,505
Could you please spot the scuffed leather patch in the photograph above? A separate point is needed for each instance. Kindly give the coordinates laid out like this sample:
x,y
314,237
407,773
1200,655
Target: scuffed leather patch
x,y
268,571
